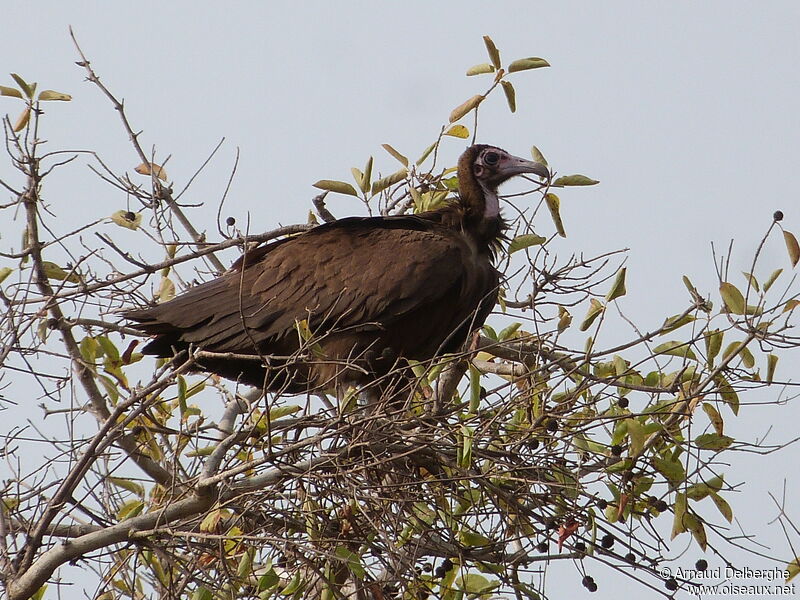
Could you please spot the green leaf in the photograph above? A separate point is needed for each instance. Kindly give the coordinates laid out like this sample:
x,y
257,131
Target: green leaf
x,y
723,507
465,458
675,348
538,156
474,390
127,219
574,180
675,322
130,509
395,154
595,309
4,273
751,281
458,131
509,331
494,53
525,241
340,187
511,96
476,585
46,95
771,279
727,393
166,290
671,469
618,288
353,561
553,205
396,177
637,436
480,69
202,593
465,107
792,247
471,538
713,441
426,153
713,340
732,297
772,362
713,415
524,64
366,177
9,91
53,271
278,412
678,522
127,484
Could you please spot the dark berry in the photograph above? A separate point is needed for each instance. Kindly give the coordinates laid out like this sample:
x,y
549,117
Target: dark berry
x,y
592,587
533,444
701,565
552,425
616,449
661,506
671,584
542,547
607,541
230,221
602,504
443,568
778,215
427,567
623,402
631,558
587,581
130,216
580,547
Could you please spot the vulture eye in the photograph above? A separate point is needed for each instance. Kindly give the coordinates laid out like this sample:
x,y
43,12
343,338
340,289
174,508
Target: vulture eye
x,y
491,158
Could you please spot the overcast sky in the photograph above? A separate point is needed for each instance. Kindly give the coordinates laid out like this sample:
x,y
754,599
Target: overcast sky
x,y
687,112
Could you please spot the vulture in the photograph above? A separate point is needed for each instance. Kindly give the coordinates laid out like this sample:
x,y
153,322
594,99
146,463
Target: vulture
x,y
349,302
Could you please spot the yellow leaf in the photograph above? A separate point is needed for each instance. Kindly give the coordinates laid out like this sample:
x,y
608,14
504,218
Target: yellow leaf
x,y
382,184
494,53
595,308
127,219
22,120
574,180
618,289
511,96
152,168
792,247
340,187
395,154
5,272
713,415
480,69
732,297
538,156
524,64
9,91
166,291
53,271
465,107
458,131
53,95
553,204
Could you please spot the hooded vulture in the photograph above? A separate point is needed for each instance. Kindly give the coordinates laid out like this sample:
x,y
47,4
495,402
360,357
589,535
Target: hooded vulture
x,y
373,292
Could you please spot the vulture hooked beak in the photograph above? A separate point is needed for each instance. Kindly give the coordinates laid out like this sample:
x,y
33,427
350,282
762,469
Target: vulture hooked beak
x,y
513,165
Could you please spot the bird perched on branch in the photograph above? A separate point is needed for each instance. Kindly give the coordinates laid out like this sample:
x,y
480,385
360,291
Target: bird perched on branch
x,y
350,301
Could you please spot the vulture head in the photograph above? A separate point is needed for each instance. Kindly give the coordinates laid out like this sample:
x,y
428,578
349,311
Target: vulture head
x,y
481,169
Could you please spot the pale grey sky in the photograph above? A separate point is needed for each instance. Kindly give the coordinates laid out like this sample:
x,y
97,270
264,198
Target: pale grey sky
x,y
687,112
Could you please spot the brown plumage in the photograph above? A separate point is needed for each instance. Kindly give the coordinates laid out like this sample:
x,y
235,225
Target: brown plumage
x,y
373,291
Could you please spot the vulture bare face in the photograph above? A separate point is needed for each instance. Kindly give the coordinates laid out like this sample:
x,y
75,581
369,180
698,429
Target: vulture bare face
x,y
492,166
